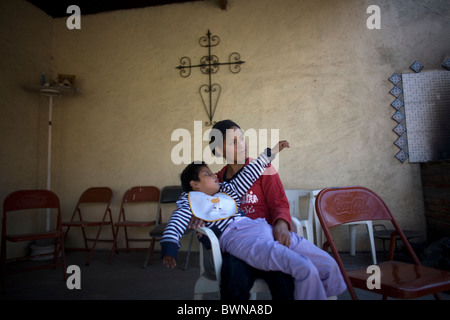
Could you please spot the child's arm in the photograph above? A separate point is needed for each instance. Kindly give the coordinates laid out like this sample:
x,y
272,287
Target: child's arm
x,y
170,242
251,172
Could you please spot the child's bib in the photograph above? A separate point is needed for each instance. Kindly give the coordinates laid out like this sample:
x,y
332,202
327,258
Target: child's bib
x,y
211,208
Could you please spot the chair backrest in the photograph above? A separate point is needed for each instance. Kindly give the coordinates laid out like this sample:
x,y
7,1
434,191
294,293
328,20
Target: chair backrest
x,y
168,195
141,194
96,194
293,196
31,199
91,200
336,206
350,204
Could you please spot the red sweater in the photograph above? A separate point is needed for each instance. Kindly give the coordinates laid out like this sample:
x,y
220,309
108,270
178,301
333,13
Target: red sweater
x,y
266,198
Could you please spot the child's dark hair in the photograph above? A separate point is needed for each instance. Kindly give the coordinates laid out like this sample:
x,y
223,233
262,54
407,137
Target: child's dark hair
x,y
191,173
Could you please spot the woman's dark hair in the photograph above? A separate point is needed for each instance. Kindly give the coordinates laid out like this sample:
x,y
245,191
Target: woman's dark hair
x,y
190,173
221,127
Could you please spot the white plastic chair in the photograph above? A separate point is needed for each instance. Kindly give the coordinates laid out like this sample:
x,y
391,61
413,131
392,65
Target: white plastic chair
x,y
352,229
294,196
210,266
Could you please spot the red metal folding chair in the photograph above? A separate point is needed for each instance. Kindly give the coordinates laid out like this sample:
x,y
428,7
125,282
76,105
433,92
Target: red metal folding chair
x,y
336,206
20,203
92,210
143,197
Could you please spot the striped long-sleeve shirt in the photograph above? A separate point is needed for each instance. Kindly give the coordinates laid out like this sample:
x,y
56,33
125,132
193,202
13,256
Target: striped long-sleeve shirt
x,y
178,223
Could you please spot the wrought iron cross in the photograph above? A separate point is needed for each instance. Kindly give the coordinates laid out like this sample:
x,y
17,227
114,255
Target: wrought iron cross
x,y
208,65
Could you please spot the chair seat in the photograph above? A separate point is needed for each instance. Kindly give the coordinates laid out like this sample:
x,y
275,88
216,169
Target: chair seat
x,y
386,234
127,223
404,280
85,223
158,231
33,236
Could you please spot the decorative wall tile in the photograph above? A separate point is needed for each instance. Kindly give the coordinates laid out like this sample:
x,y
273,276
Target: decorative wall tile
x,y
401,143
396,91
423,111
446,64
401,156
399,129
398,116
397,104
395,79
416,66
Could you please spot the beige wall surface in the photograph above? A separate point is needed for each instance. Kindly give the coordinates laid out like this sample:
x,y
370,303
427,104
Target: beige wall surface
x,y
26,35
313,71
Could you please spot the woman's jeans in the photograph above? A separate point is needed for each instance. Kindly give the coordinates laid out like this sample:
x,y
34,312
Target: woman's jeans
x,y
238,278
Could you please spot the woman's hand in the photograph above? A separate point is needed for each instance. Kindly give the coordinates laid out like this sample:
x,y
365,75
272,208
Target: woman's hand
x,y
280,146
281,233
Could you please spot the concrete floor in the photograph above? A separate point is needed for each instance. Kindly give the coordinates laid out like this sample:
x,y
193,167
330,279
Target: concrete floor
x,y
126,279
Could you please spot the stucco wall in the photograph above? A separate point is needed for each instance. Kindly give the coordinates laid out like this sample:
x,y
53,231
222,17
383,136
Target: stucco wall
x,y
26,35
313,70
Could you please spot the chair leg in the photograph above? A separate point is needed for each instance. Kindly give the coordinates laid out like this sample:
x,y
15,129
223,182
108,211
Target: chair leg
x,y
189,251
320,236
114,250
126,238
372,243
91,251
55,252
149,253
84,238
352,231
310,233
63,257
3,266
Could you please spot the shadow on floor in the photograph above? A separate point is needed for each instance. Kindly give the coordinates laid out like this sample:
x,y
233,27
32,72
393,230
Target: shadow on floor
x,y
126,279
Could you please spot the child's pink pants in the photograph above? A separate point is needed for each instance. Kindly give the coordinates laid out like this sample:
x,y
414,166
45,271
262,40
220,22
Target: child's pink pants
x,y
316,274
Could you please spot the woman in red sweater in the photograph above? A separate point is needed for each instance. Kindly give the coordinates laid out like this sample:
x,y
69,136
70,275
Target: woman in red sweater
x,y
265,199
